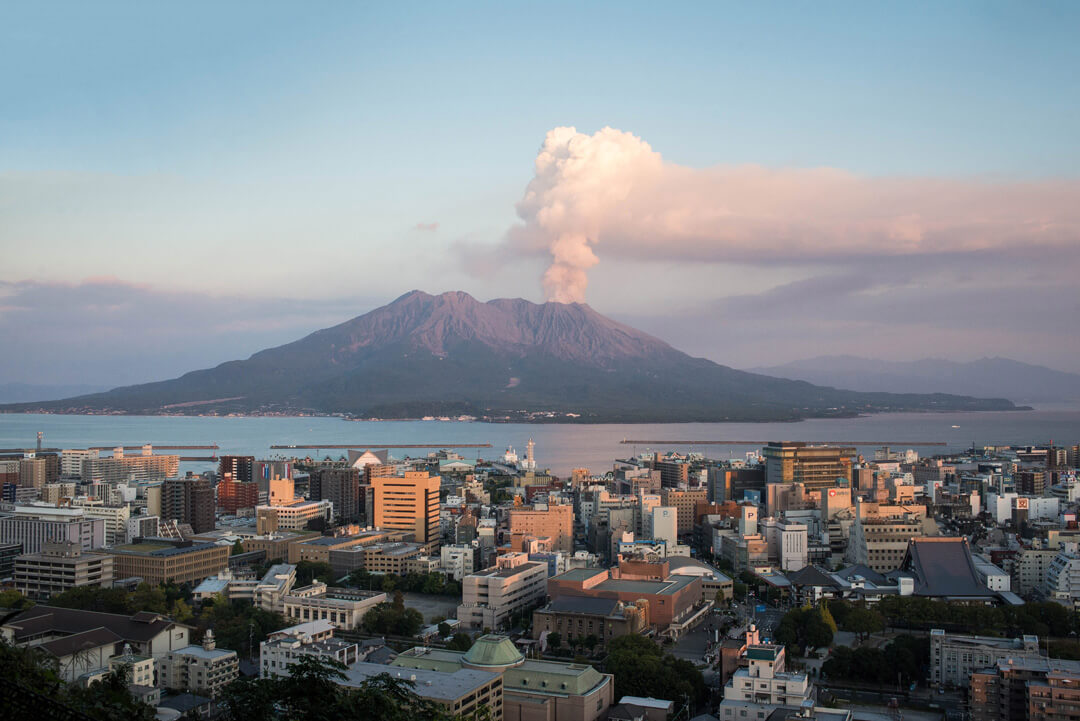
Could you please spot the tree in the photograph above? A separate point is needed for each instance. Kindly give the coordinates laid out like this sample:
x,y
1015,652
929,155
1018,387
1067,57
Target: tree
x,y
863,622
12,599
590,642
641,668
826,616
460,642
309,571
237,547
444,629
554,640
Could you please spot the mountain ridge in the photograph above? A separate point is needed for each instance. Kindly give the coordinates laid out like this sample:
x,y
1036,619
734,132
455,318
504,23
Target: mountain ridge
x,y
1026,382
506,359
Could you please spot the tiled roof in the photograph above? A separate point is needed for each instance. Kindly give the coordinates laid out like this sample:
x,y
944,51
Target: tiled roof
x,y
943,567
43,620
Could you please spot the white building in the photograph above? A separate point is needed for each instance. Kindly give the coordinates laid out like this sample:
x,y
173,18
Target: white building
x,y
142,527
953,658
282,648
663,525
33,525
458,560
489,598
343,607
748,520
115,518
204,670
787,542
994,578
1063,577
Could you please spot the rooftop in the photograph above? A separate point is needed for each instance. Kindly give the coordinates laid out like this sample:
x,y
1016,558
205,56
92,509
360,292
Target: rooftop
x,y
40,621
667,587
583,604
437,685
580,574
200,652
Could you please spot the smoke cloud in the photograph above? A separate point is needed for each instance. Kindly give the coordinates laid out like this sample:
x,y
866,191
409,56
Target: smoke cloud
x,y
611,194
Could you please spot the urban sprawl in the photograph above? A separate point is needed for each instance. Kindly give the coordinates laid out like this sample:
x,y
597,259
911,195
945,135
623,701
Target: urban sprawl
x,y
800,582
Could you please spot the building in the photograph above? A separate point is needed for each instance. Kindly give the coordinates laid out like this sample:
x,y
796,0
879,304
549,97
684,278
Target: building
x,y
490,598
240,468
1063,577
190,501
662,524
71,461
203,669
879,537
1030,482
409,503
32,526
116,519
670,601
461,691
1026,689
314,638
343,607
554,521
458,561
340,486
530,689
148,634
816,467
267,593
764,683
296,516
943,568
8,553
954,658
157,560
61,566
234,495
142,527
787,543
581,616
121,468
685,502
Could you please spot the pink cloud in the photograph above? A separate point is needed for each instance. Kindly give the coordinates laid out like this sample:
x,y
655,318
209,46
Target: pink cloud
x,y
426,227
611,195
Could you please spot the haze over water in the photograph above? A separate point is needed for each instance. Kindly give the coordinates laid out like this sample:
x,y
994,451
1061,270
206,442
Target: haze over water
x,y
558,447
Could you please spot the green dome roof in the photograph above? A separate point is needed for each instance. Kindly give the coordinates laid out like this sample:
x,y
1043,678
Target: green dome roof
x,y
493,651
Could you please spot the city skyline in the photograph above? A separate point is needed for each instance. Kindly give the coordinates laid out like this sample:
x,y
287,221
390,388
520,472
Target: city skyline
x,y
180,192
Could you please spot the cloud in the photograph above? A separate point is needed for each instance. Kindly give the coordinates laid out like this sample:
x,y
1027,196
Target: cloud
x,y
426,227
610,194
107,331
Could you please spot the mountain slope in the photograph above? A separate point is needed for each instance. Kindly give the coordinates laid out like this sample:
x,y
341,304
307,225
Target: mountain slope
x,y
505,359
986,376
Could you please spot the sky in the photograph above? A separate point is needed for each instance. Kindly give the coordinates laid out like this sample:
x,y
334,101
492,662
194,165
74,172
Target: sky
x,y
184,184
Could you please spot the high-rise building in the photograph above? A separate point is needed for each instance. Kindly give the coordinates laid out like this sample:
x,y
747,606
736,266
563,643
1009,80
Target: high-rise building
x,y
1030,483
60,566
189,500
554,521
685,500
241,468
341,486
409,503
234,495
32,526
816,467
673,474
71,460
33,473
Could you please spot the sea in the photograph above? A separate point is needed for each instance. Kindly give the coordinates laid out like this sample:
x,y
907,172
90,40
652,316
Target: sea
x,y
559,447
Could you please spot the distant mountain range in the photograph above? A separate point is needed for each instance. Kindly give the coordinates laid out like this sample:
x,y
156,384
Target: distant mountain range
x,y
1020,382
450,355
22,392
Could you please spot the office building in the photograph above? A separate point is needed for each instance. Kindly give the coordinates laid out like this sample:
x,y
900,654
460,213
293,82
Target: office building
x,y
409,503
71,461
343,607
116,519
662,524
491,597
32,526
190,501
299,515
282,648
685,502
158,560
59,567
340,486
729,484
581,616
815,467
554,521
953,658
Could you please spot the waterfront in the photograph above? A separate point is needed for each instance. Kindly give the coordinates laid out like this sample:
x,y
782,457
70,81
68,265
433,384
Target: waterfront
x,y
558,447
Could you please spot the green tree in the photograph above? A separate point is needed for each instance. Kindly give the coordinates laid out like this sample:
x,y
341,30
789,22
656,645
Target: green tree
x,y
460,642
12,599
554,640
862,622
237,548
444,629
590,642
827,617
149,598
309,571
641,668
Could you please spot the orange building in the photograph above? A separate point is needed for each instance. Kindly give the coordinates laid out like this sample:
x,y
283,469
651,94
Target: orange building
x,y
234,495
409,503
555,522
685,501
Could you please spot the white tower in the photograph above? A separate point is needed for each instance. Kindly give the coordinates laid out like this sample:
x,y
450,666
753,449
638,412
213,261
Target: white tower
x,y
530,456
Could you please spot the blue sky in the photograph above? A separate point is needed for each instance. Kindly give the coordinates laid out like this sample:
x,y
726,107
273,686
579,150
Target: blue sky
x,y
289,151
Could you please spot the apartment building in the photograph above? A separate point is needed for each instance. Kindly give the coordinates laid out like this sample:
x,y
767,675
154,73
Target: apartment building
x,y
234,495
204,669
159,560
554,521
490,597
191,501
240,468
1026,689
121,468
879,537
59,567
409,503
340,486
116,520
954,658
